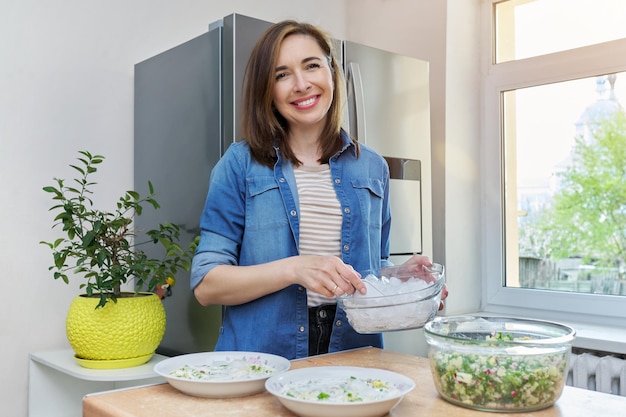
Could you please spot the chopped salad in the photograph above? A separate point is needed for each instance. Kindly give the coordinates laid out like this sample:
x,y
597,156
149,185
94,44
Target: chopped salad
x,y
349,389
226,370
503,380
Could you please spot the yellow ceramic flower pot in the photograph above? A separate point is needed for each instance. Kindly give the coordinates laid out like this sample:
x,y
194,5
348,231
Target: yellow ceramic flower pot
x,y
118,335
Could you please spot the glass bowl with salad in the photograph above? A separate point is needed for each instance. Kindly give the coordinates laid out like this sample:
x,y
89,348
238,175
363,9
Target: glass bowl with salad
x,y
498,363
397,298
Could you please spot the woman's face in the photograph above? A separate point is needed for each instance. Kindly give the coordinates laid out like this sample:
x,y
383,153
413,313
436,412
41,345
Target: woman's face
x,y
303,91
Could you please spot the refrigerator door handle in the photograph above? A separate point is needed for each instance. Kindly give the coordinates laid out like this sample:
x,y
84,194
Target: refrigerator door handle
x,y
356,88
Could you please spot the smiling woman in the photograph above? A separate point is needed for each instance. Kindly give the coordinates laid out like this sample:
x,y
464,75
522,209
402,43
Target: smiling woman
x,y
277,74
303,92
282,230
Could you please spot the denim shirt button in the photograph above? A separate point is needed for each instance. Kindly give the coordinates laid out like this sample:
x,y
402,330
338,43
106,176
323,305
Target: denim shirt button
x,y
338,323
346,248
301,329
300,288
281,180
293,212
337,180
346,210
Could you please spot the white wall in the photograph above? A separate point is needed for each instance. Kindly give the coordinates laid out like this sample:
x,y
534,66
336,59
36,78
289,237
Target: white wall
x,y
66,83
462,151
416,29
445,33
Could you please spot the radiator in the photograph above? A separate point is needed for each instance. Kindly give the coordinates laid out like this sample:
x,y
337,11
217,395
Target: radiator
x,y
598,371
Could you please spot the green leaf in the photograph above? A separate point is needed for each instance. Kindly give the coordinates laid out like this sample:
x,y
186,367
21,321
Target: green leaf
x,y
59,259
102,257
153,202
133,194
88,239
79,169
50,189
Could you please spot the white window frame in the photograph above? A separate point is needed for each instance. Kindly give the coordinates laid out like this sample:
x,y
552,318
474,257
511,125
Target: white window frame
x,y
588,61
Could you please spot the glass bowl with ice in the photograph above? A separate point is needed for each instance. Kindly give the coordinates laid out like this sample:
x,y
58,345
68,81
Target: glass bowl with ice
x,y
397,298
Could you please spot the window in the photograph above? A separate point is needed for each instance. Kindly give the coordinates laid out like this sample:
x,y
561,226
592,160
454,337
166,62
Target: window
x,y
546,85
528,28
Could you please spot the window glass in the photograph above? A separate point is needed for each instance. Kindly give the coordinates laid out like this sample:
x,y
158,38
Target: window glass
x,y
553,171
528,28
565,182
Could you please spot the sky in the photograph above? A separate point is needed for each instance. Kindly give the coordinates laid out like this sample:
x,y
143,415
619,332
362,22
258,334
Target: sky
x,y
547,114
546,120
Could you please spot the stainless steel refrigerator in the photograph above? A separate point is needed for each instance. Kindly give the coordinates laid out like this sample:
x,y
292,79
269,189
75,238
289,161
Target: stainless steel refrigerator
x,y
187,101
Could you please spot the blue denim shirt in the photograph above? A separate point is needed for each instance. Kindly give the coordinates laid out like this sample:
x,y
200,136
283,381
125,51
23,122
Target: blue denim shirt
x,y
251,216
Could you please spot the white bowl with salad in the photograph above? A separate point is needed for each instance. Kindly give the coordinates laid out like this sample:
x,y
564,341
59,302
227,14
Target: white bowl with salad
x,y
499,363
221,374
339,391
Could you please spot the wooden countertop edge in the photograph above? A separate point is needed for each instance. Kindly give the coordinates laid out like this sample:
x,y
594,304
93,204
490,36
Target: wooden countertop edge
x,y
575,402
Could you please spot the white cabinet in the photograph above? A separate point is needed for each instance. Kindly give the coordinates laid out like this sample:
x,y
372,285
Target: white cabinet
x,y
57,383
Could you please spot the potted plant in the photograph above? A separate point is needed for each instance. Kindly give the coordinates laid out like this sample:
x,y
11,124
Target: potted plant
x,y
103,247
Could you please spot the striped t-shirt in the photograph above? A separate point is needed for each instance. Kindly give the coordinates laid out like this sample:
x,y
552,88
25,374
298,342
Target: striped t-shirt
x,y
320,218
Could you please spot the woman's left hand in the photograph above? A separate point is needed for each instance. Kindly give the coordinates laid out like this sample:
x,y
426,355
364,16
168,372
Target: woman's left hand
x,y
416,263
444,295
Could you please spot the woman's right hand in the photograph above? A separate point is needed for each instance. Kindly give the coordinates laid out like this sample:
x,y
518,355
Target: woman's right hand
x,y
231,285
327,275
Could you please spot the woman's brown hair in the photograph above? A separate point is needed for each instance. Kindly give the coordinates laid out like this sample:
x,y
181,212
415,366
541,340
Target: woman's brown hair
x,y
263,126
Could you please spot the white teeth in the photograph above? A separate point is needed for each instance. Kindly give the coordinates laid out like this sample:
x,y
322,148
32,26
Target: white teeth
x,y
306,102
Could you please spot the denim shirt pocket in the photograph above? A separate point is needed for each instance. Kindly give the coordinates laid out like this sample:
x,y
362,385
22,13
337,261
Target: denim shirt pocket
x,y
264,203
370,193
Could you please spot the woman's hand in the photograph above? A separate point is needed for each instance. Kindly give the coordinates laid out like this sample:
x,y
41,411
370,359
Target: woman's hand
x,y
327,275
416,264
444,295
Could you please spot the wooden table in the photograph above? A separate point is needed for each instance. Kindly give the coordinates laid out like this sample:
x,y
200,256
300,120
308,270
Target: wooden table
x,y
164,401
